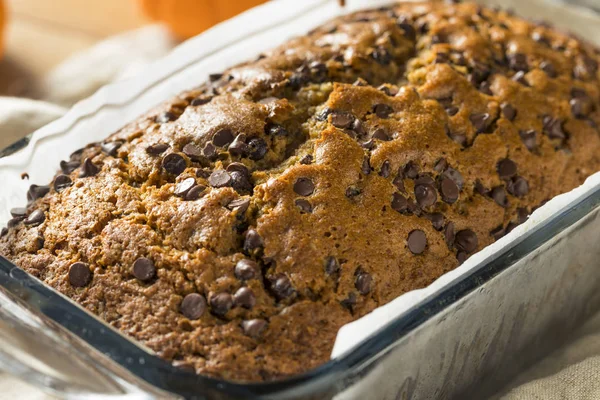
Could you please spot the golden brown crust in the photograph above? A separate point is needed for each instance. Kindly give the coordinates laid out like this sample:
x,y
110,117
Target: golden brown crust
x,y
377,153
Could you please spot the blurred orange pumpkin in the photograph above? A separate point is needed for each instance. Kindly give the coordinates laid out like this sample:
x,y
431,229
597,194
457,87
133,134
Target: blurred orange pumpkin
x,y
2,26
187,18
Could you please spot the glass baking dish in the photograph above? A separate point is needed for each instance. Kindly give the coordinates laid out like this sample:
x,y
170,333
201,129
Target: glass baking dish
x,y
464,341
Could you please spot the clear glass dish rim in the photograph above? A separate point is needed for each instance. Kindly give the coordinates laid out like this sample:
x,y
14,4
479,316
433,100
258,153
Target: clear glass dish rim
x,y
328,378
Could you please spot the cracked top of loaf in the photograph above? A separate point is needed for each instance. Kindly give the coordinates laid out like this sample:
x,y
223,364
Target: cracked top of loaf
x,y
235,228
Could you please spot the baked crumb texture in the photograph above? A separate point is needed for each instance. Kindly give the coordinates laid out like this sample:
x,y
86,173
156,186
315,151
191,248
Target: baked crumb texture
x,y
235,228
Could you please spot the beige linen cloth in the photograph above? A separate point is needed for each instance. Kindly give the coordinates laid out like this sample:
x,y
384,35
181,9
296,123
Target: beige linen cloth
x,y
571,372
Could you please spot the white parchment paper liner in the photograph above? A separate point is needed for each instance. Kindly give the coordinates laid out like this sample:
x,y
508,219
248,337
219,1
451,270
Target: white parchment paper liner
x,y
239,39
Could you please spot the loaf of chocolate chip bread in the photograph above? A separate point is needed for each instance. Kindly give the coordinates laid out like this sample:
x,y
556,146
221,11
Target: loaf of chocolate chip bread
x,y
237,227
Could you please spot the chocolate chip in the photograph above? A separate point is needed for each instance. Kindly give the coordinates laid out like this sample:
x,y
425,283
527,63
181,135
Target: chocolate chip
x,y
461,256
332,265
341,119
520,78
323,114
4,232
399,182
580,107
79,274
88,169
238,167
388,90
455,176
449,190
486,88
192,151
381,55
157,149
240,181
517,62
174,164
369,144
528,138
553,127
244,297
297,80
437,220
257,148
282,287
385,169
437,39
478,74
363,283
35,192
349,302
425,195
61,182
69,166
466,240
193,306
195,193
214,77
382,110
480,121
441,58
304,186
506,168
540,38
417,241
165,117
18,212
352,192
498,232
219,178
252,240
499,195
241,205
409,31
198,101
183,187
209,151
452,110
460,139
254,327
221,303
410,170
110,148
381,134
246,269
366,166
508,111
449,235
223,137
585,69
14,222
143,269
304,205
35,218
440,165
518,187
548,68
399,203
522,214
482,190
306,160
276,130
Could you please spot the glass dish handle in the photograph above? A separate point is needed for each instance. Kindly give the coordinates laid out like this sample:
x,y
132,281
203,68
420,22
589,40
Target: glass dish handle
x,y
43,354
